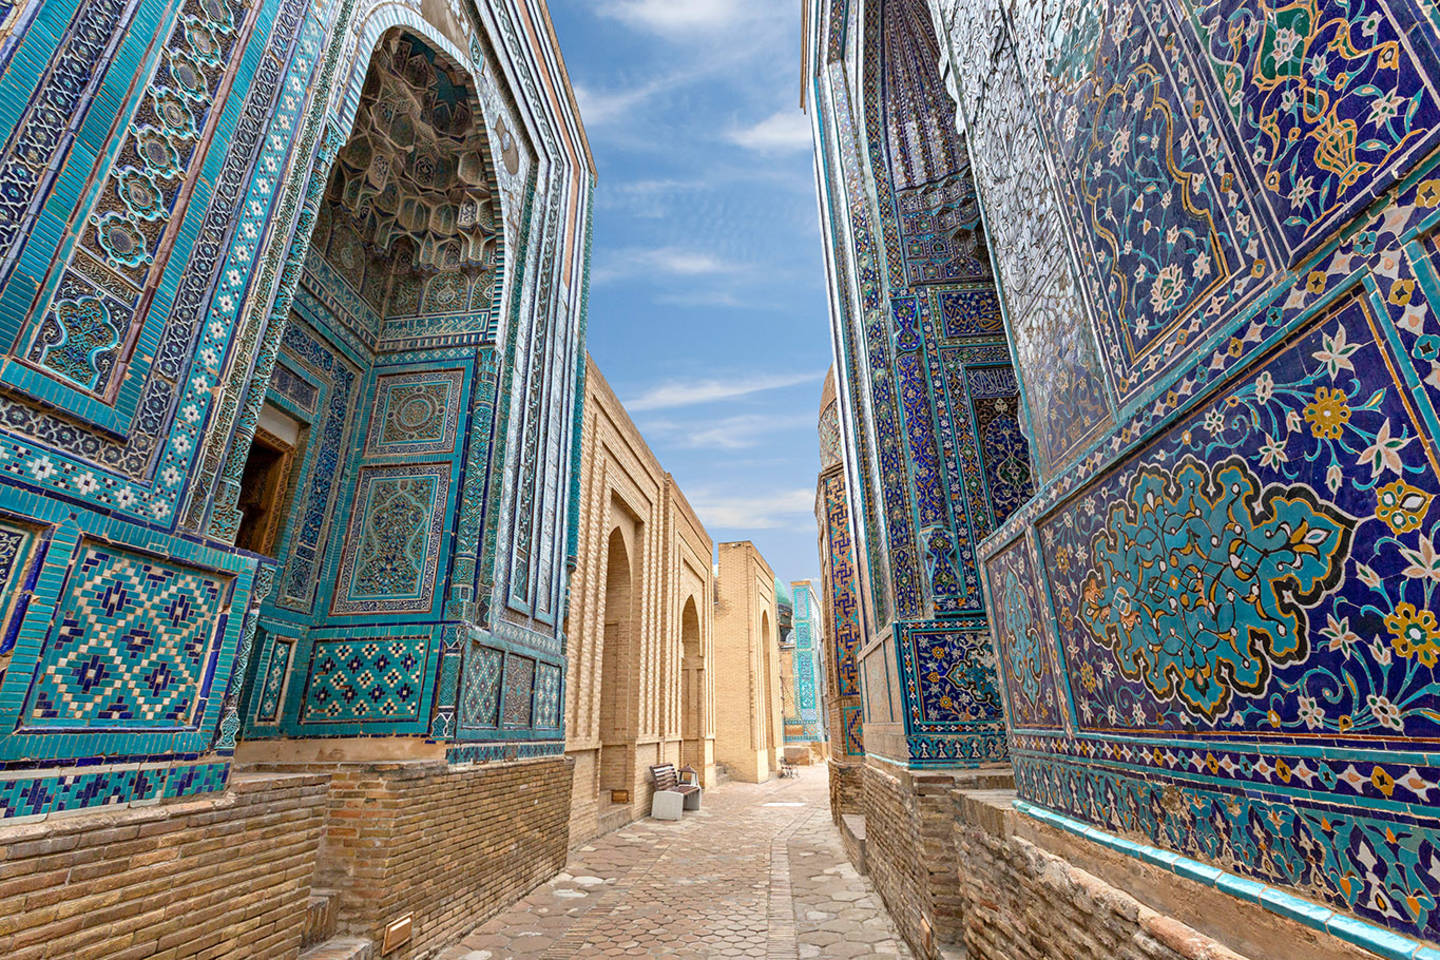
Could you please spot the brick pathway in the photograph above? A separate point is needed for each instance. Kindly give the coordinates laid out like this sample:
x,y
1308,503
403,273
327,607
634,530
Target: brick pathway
x,y
759,872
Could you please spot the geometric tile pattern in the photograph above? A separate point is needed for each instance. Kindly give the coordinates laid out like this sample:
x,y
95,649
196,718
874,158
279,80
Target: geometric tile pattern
x,y
480,701
844,593
365,680
131,647
547,696
854,732
273,681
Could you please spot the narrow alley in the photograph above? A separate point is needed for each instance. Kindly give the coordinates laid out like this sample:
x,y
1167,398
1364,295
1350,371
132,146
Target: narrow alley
x,y
758,871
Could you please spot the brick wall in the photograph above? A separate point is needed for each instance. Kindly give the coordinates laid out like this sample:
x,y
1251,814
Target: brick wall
x,y
215,878
1030,892
450,846
847,788
910,847
910,852
749,723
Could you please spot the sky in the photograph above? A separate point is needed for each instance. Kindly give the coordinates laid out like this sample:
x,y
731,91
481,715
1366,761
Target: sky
x,y
707,286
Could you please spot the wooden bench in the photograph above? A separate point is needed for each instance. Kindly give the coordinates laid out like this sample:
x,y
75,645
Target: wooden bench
x,y
669,790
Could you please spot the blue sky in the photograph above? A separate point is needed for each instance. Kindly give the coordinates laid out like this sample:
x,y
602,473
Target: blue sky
x,y
707,297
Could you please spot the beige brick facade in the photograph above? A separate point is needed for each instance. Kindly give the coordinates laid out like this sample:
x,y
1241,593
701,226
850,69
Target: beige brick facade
x,y
749,731
640,688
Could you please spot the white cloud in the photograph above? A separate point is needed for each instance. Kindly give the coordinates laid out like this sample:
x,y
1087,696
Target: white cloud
x,y
728,433
662,261
599,107
769,512
784,132
703,298
674,17
690,392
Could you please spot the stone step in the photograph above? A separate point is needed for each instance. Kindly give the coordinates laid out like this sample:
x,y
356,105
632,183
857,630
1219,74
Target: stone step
x,y
614,817
319,917
341,948
852,835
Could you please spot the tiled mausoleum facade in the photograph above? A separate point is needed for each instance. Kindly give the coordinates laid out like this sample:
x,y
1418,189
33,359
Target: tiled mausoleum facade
x,y
840,614
1201,507
293,296
800,670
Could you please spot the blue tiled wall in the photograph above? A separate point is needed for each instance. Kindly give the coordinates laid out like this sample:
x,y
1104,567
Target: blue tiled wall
x,y
1214,622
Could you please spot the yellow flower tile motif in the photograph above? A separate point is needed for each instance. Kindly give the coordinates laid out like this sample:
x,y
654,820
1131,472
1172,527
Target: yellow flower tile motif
x,y
1414,633
1328,413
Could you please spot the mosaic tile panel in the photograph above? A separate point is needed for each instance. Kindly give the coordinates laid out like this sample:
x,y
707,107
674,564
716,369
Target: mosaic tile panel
x,y
480,697
1169,244
27,797
274,680
196,780
79,336
844,593
802,718
393,544
365,680
1023,640
1054,345
493,752
1374,862
940,234
970,313
317,493
1329,103
519,691
415,414
1229,594
132,645
18,547
547,696
952,707
995,405
1256,508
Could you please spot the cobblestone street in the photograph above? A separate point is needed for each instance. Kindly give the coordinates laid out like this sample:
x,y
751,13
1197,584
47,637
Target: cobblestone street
x,y
759,872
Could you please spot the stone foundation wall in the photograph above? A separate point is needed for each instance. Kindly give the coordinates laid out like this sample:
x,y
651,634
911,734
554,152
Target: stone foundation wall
x,y
449,846
224,877
1031,892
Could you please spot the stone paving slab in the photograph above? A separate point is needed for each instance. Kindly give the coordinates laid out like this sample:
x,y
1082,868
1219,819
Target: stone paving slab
x,y
758,872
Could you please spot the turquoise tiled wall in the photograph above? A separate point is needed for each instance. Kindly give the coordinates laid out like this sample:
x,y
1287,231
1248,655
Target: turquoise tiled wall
x,y
162,168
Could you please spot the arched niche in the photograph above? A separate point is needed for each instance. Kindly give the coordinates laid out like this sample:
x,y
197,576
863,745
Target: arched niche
x,y
617,669
692,687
